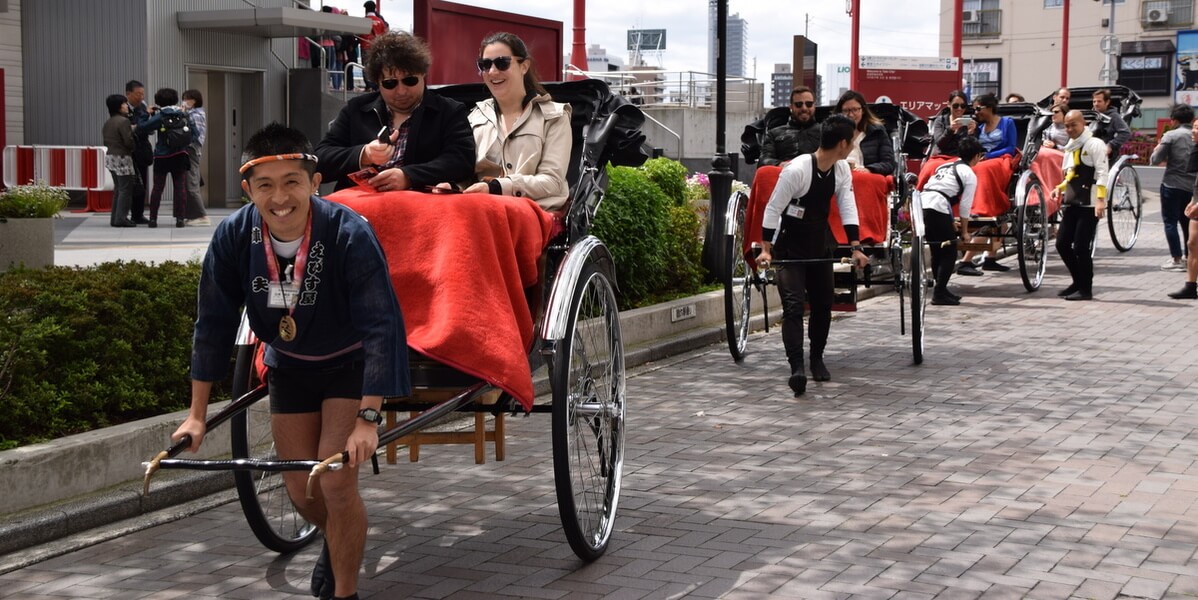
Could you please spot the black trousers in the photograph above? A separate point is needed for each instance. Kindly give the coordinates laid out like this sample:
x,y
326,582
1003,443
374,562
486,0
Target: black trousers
x,y
813,283
938,228
1075,244
137,204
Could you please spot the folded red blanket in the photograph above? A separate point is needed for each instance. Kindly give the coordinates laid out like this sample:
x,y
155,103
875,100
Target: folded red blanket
x,y
994,175
460,264
869,189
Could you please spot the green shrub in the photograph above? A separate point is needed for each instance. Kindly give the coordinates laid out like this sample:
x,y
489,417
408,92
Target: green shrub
x,y
632,223
83,348
33,201
669,176
683,246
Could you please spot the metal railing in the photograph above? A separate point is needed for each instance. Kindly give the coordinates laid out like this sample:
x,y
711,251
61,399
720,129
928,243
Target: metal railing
x,y
652,88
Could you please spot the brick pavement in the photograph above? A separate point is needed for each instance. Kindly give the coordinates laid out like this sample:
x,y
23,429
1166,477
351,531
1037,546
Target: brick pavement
x,y
1044,450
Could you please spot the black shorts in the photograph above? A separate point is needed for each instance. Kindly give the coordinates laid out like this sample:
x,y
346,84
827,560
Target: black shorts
x,y
304,390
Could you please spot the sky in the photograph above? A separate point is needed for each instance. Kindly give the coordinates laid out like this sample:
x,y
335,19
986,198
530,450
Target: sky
x,y
888,27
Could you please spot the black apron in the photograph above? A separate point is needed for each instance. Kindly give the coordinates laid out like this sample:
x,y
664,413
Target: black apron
x,y
809,236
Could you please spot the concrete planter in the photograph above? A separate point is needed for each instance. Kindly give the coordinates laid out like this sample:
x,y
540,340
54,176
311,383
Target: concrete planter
x,y
26,241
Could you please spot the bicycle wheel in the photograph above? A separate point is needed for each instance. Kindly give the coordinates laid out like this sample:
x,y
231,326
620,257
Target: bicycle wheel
x,y
738,281
1032,236
919,295
1125,208
264,501
588,415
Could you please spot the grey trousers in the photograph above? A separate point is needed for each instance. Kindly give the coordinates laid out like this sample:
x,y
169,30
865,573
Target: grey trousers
x,y
194,207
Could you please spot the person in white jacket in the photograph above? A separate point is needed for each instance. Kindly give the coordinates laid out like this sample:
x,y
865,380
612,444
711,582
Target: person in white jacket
x,y
795,227
1084,199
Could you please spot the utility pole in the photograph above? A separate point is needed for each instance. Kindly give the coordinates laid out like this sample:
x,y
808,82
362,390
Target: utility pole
x,y
720,176
1110,45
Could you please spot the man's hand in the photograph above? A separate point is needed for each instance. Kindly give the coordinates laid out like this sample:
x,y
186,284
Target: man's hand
x,y
362,442
860,259
193,427
1100,208
378,153
391,180
764,258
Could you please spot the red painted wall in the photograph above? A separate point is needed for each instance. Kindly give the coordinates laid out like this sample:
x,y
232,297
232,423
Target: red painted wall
x,y
454,31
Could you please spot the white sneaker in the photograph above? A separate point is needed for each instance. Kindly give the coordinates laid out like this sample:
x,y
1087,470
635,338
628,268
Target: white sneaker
x,y
1176,265
200,222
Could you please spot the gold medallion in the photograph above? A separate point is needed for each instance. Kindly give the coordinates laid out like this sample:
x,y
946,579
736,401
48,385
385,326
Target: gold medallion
x,y
287,328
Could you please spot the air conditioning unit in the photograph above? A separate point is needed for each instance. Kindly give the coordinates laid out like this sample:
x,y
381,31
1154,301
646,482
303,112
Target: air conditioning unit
x,y
1157,15
971,16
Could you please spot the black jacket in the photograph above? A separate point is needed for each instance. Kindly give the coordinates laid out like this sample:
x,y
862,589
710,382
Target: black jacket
x,y
143,150
784,142
877,152
440,144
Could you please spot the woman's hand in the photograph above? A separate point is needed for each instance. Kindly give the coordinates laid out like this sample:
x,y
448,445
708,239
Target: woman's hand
x,y
1191,211
477,188
860,169
1049,144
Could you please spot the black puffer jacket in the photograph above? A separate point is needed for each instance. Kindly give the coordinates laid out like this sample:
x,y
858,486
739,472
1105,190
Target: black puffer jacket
x,y
785,142
877,152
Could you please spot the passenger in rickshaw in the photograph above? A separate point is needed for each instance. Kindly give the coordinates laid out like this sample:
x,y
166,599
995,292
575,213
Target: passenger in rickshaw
x,y
425,138
1055,135
948,128
495,232
872,150
1112,130
951,188
799,135
523,137
998,137
313,282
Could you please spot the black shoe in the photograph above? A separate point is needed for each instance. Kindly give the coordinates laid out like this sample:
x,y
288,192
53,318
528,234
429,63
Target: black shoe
x,y
1080,295
1189,292
993,265
819,371
945,300
125,224
956,297
798,384
180,223
1067,291
152,224
322,575
968,270
140,220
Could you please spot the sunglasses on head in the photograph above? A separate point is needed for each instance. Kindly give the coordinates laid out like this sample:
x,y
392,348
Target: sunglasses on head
x,y
409,81
804,104
959,105
502,63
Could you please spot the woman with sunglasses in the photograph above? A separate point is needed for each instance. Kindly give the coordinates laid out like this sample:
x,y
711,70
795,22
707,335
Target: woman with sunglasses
x,y
411,136
1055,135
872,149
522,136
949,127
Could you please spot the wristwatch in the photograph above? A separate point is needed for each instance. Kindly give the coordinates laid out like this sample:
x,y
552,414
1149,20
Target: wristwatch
x,y
858,248
370,415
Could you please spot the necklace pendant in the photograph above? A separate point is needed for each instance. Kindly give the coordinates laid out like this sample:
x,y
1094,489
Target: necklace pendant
x,y
287,329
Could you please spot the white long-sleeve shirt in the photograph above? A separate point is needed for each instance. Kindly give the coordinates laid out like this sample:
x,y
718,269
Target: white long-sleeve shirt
x,y
795,180
945,184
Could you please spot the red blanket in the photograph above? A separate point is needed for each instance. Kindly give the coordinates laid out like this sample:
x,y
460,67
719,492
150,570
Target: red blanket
x,y
460,265
994,175
869,189
1047,168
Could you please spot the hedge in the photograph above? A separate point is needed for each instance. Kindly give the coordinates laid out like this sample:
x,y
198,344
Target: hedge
x,y
83,348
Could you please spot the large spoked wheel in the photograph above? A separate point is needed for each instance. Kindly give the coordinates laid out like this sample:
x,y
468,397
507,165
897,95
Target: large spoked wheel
x,y
588,415
264,501
1032,236
919,297
1125,208
738,282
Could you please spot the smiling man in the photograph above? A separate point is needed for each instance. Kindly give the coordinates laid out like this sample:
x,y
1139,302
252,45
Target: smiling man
x,y
799,135
410,135
314,285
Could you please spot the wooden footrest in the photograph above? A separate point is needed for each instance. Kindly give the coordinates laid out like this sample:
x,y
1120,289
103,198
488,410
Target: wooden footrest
x,y
976,246
478,437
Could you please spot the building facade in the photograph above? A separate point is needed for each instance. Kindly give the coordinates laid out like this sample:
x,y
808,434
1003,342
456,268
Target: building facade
x,y
738,43
781,83
1015,46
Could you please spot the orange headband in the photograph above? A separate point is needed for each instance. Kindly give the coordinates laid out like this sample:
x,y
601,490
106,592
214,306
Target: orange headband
x,y
249,164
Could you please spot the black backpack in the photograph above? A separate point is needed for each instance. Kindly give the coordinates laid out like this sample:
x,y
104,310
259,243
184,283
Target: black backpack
x,y
175,130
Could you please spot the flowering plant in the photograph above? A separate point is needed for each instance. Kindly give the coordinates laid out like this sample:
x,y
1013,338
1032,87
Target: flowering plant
x,y
698,186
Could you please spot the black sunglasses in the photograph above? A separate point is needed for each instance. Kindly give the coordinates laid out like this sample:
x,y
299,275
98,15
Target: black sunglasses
x,y
502,63
959,105
804,103
409,81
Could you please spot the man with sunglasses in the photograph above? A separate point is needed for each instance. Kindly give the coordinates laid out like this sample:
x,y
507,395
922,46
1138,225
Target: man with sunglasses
x,y
800,134
411,136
